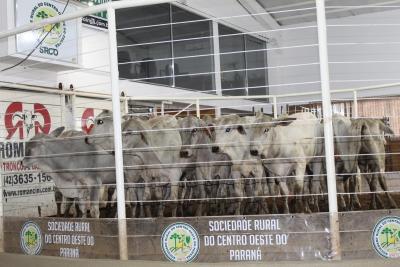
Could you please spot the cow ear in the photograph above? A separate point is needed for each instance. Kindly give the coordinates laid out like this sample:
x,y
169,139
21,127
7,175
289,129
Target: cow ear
x,y
284,122
207,131
211,129
144,139
57,132
241,130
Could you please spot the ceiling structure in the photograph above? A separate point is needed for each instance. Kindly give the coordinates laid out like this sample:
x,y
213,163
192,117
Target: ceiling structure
x,y
289,12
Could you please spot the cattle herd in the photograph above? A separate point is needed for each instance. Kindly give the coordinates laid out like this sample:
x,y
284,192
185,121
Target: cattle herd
x,y
230,165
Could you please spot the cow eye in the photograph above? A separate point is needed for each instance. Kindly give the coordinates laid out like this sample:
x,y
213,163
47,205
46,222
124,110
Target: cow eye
x,y
228,130
100,122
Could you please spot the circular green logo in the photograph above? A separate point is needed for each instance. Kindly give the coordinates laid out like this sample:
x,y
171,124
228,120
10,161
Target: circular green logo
x,y
386,237
31,238
180,242
55,32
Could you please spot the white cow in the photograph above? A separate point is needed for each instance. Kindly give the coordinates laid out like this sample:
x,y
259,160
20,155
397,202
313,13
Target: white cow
x,y
232,137
158,142
287,146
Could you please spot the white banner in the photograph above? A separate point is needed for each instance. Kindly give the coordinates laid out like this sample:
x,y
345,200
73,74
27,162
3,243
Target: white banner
x,y
61,42
27,191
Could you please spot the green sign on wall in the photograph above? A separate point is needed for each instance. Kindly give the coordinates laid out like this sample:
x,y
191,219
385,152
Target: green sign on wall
x,y
98,19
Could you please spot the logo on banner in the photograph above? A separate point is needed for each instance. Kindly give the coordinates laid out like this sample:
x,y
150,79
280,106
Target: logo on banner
x,y
180,242
87,120
26,121
55,32
386,237
31,238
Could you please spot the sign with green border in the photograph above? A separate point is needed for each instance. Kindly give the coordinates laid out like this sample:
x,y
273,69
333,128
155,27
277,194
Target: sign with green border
x,y
98,20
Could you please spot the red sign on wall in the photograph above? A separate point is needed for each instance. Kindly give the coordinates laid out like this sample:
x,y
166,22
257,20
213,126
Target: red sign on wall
x,y
25,120
87,120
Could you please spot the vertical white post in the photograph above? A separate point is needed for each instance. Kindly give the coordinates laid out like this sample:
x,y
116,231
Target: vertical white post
x,y
355,105
73,111
115,92
69,110
328,130
217,112
162,108
125,108
63,109
198,108
275,107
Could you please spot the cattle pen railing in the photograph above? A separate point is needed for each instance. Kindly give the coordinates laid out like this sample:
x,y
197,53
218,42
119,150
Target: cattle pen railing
x,y
333,231
198,101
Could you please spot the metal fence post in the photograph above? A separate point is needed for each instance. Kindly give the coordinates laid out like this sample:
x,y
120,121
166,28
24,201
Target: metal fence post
x,y
198,108
275,107
115,91
162,108
125,103
328,130
355,105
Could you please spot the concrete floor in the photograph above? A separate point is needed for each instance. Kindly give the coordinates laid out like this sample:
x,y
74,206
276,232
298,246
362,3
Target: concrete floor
x,y
16,260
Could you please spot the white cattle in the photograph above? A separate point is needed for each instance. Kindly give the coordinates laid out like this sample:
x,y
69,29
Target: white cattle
x,y
232,138
208,167
287,146
157,143
78,169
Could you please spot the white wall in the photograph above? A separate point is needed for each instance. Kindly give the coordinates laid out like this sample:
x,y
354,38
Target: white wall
x,y
343,53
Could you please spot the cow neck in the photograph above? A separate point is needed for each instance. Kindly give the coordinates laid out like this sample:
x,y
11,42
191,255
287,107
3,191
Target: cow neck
x,y
273,150
49,162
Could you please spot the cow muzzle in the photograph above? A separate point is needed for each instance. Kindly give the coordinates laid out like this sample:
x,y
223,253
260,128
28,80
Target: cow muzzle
x,y
254,152
215,149
184,154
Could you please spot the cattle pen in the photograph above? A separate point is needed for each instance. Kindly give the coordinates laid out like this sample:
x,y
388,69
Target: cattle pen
x,y
200,131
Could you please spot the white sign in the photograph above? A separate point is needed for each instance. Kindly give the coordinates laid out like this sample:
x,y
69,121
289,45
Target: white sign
x,y
60,40
27,191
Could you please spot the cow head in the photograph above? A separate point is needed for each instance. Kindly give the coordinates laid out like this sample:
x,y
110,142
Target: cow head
x,y
263,135
231,137
135,133
87,121
102,131
24,121
193,132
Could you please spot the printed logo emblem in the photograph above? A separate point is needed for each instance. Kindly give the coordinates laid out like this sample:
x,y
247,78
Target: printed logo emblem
x,y
17,118
180,242
31,238
87,121
386,237
56,32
